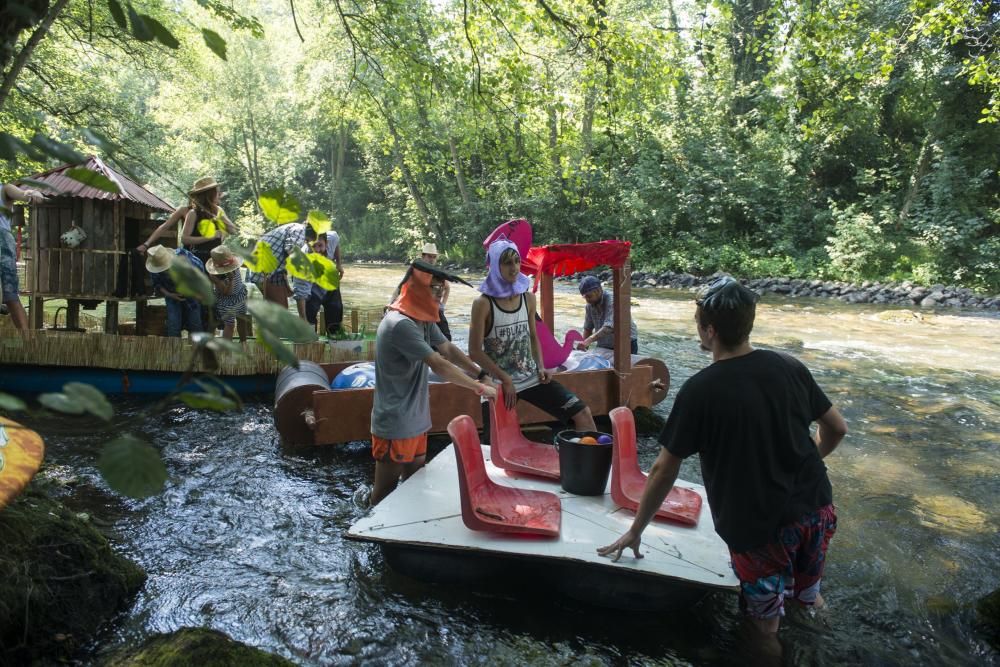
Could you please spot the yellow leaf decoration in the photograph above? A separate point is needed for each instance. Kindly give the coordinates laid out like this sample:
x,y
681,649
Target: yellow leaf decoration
x,y
21,453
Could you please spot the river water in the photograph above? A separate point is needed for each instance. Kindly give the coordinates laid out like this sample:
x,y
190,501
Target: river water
x,y
248,539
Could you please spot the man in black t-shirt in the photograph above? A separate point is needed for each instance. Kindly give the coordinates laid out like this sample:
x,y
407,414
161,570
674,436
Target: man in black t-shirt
x,y
748,416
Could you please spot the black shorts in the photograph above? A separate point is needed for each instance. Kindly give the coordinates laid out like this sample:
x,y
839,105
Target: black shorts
x,y
553,398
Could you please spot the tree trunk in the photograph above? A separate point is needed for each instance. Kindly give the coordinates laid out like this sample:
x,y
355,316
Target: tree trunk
x,y
411,183
923,166
29,47
460,175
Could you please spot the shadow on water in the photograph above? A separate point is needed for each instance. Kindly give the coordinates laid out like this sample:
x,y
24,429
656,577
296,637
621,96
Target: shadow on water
x,y
248,539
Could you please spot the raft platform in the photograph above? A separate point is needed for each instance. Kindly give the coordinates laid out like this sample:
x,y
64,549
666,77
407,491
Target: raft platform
x,y
420,530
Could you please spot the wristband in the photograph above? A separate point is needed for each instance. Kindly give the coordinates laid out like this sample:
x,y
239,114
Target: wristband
x,y
482,373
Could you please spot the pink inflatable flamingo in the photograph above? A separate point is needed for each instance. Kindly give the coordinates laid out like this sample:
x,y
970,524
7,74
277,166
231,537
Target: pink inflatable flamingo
x,y
554,353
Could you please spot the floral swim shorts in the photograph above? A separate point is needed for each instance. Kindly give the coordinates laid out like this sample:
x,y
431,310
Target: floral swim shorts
x,y
791,567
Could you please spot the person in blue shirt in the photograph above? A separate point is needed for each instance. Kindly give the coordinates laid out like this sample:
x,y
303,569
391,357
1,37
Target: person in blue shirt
x,y
182,312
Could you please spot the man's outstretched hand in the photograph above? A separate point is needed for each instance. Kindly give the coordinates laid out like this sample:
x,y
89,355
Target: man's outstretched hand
x,y
627,541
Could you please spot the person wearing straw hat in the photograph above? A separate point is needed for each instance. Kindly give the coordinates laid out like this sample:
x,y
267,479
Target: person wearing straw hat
x,y
168,225
206,224
182,312
230,291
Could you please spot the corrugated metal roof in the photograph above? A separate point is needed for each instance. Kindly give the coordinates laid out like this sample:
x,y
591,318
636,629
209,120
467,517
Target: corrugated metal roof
x,y
64,186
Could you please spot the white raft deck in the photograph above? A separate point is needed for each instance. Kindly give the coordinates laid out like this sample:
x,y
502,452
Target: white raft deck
x,y
420,530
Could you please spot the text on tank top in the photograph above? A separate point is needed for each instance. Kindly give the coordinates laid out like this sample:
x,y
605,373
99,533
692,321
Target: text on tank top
x,y
508,344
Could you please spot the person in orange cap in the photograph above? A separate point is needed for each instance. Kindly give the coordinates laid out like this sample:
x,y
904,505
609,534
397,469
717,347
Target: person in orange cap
x,y
407,344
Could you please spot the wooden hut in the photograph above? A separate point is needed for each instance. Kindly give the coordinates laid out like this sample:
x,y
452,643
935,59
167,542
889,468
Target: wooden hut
x,y
103,267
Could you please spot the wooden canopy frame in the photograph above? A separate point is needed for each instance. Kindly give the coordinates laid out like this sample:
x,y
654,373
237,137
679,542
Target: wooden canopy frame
x,y
547,262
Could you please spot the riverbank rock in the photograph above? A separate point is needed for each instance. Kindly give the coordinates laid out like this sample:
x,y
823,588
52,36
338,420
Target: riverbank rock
x,y
890,293
195,646
59,580
988,617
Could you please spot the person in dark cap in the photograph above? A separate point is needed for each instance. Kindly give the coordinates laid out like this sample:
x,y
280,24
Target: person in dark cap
x,y
407,344
599,321
748,416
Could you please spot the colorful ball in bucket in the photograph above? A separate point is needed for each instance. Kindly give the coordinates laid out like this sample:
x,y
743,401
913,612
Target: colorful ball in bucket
x,y
604,439
588,440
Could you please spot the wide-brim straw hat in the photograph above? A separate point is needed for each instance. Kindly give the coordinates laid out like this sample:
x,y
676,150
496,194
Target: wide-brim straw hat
x,y
159,258
223,261
429,249
203,184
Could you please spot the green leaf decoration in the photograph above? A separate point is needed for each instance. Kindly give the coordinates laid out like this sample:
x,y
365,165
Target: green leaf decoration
x,y
117,13
313,267
160,32
262,259
280,323
61,403
55,149
279,207
139,28
191,282
11,403
132,467
92,178
207,401
215,42
319,221
91,398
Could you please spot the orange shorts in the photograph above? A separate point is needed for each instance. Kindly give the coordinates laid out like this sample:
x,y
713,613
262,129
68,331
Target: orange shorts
x,y
402,450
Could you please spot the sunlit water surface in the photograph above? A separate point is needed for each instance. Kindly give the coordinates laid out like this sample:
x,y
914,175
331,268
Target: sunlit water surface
x,y
248,539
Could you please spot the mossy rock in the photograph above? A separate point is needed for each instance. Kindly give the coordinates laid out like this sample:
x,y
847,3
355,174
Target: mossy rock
x,y
647,422
59,579
195,646
988,617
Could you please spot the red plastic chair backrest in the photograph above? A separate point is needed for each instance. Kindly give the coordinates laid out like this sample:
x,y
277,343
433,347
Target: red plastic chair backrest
x,y
625,457
510,450
469,452
505,429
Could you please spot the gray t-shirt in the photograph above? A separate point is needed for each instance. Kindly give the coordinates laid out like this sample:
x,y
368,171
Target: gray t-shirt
x,y
603,314
402,399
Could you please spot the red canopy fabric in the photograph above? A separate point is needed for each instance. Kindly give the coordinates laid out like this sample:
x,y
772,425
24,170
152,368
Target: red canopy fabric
x,y
565,259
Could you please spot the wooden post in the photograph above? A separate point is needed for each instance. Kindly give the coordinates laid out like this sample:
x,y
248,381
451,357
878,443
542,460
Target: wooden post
x,y
548,308
111,317
622,292
37,306
72,314
355,315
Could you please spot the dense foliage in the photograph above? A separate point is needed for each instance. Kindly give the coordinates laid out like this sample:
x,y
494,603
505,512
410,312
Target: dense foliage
x,y
828,138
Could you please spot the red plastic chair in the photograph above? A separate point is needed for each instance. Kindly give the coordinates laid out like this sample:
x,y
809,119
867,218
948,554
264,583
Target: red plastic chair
x,y
490,507
511,451
628,480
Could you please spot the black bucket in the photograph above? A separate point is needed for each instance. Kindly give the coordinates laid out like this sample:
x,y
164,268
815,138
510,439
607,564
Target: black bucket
x,y
583,469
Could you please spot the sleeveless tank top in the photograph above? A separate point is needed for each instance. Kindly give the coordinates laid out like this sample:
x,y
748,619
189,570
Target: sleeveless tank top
x,y
508,344
203,251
